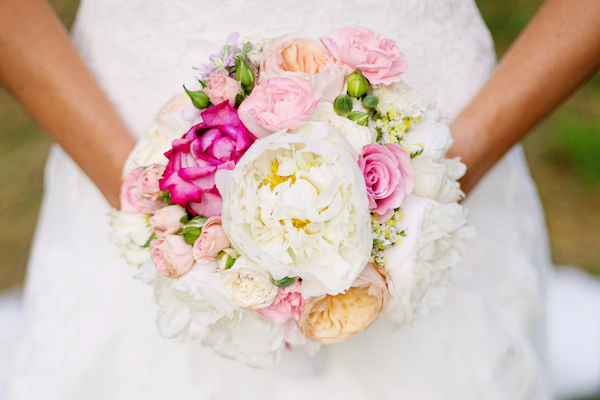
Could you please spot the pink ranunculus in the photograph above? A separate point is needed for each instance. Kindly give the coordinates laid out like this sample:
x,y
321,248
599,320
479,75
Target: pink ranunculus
x,y
171,255
287,304
138,195
216,143
294,55
377,57
222,88
167,220
211,242
389,177
276,104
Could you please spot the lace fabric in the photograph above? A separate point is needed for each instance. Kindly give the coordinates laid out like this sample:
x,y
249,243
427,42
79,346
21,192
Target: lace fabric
x,y
90,327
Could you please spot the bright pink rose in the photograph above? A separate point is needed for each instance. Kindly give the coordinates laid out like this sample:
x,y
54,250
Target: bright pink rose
x,y
377,57
211,241
171,255
276,104
294,55
140,192
167,220
216,143
287,304
222,88
388,174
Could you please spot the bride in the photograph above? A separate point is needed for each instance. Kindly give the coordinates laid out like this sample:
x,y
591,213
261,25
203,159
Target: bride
x,y
89,328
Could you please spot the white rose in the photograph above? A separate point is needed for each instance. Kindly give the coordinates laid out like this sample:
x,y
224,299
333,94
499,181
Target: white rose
x,y
400,98
358,136
249,285
418,266
130,232
296,203
173,120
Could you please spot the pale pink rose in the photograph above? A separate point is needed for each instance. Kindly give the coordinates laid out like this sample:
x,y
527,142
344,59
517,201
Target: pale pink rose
x,y
167,220
333,319
211,242
221,88
171,255
276,104
148,182
389,177
131,196
376,56
222,262
287,304
294,55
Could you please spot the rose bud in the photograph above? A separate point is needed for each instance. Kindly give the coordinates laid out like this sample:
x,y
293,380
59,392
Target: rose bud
x,y
359,117
357,84
199,99
342,104
370,102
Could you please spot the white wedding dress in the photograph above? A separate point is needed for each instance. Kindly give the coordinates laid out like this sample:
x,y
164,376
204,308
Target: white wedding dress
x,y
89,327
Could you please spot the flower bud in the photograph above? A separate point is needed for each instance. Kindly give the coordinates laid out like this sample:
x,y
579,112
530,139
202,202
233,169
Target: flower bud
x,y
357,84
244,74
199,98
370,101
359,117
342,104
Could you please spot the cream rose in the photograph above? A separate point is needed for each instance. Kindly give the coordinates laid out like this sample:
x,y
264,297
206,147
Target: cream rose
x,y
248,285
358,136
332,319
294,55
296,204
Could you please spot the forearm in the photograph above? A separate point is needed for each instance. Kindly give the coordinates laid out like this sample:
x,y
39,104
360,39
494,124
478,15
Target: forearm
x,y
40,67
557,51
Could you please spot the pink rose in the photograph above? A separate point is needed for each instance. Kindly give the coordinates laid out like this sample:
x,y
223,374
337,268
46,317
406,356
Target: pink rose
x,y
287,304
222,262
222,88
167,220
276,104
216,143
388,174
293,55
171,255
139,194
377,57
211,242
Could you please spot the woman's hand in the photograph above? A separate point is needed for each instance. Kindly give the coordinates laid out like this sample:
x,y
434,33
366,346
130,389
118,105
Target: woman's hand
x,y
557,51
40,67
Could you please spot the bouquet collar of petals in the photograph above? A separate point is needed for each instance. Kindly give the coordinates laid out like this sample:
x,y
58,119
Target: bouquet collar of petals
x,y
297,193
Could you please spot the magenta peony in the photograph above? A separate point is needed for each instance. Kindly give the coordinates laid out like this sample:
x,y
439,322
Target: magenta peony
x,y
376,56
216,143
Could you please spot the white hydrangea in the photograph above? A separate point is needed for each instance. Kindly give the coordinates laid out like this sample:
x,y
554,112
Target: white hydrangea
x,y
358,136
296,204
398,98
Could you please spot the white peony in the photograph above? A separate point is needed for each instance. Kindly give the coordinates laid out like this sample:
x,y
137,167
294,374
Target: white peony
x,y
173,120
435,175
399,98
249,285
358,136
296,204
130,232
419,265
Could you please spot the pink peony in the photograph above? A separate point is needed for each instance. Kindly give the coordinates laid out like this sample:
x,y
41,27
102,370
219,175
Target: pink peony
x,y
293,55
171,255
166,221
216,143
140,193
211,242
287,304
222,88
377,57
388,174
276,104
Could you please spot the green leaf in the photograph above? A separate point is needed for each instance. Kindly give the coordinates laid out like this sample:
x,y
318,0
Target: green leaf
x,y
151,238
190,234
285,282
230,262
184,219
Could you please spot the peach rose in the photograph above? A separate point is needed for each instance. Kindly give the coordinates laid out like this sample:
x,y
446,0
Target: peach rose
x,y
211,242
293,55
171,255
221,87
333,319
166,221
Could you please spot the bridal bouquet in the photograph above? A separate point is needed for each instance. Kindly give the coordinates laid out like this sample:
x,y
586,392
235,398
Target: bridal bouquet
x,y
297,193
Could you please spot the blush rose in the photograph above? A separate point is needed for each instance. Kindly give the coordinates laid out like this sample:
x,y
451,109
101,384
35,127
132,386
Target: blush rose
x,y
211,242
171,255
